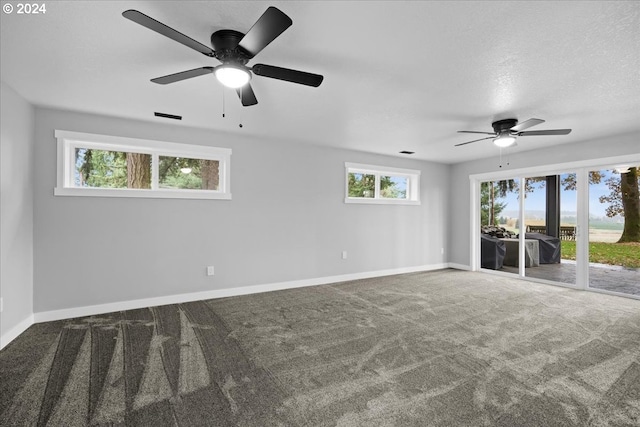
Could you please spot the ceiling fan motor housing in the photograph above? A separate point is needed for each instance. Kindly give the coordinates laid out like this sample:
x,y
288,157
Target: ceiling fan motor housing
x,y
502,126
225,45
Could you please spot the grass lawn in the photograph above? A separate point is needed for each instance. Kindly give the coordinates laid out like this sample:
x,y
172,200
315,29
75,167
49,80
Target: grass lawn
x,y
625,254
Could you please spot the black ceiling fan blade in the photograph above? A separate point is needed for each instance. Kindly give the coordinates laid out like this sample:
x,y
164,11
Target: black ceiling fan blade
x,y
247,97
183,75
286,74
546,132
475,140
473,131
526,125
159,27
270,25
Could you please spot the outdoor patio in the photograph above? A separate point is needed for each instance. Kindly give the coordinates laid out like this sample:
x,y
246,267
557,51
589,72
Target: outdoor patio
x,y
605,277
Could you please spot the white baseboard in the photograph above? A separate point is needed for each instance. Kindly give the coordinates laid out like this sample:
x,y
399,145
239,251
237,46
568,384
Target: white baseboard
x,y
13,333
459,266
69,313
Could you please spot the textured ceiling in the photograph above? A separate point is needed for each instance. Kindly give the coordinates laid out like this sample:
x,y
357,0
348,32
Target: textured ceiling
x,y
398,75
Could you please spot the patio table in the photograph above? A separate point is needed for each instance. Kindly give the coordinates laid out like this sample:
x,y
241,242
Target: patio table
x,y
531,254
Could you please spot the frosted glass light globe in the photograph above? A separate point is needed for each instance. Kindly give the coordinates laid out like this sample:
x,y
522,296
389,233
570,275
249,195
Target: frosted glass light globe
x,y
232,76
504,140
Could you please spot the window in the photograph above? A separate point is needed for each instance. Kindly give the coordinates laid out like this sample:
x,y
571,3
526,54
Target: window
x,y
185,173
107,166
383,185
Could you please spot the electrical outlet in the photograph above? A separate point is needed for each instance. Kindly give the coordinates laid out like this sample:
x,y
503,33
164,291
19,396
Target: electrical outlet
x,y
344,254
210,271
1,305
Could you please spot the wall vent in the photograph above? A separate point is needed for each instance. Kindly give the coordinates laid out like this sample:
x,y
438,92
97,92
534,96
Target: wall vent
x,y
167,116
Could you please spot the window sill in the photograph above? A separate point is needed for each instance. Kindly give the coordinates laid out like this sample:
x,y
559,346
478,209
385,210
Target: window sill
x,y
381,201
139,193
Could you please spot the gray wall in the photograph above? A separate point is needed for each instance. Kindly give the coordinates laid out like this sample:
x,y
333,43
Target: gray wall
x,y
16,208
459,174
287,221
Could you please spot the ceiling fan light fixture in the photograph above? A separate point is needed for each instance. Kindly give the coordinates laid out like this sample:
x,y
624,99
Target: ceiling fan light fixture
x,y
232,75
504,140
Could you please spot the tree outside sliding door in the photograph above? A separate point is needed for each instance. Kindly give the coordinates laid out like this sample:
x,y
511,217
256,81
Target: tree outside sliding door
x,y
614,230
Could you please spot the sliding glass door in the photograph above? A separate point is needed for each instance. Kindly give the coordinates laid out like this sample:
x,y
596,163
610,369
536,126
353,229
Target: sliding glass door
x,y
580,227
499,225
550,227
614,230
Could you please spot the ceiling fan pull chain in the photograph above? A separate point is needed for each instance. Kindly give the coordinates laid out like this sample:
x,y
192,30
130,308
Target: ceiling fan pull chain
x,y
500,157
223,103
241,98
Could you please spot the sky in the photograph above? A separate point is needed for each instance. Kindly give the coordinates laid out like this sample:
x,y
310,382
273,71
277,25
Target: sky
x,y
535,201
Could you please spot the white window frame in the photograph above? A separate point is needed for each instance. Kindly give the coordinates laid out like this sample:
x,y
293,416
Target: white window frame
x,y
68,141
413,184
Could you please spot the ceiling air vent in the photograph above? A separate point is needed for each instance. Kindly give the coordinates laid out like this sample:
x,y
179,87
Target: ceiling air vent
x,y
407,152
167,116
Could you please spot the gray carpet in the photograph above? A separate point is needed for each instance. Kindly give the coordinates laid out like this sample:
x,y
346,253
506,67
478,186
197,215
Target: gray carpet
x,y
443,348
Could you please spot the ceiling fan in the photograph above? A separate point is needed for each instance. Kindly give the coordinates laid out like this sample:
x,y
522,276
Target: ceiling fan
x,y
505,131
234,49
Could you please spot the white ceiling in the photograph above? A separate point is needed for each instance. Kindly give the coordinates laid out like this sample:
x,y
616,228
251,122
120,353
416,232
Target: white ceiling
x,y
398,75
